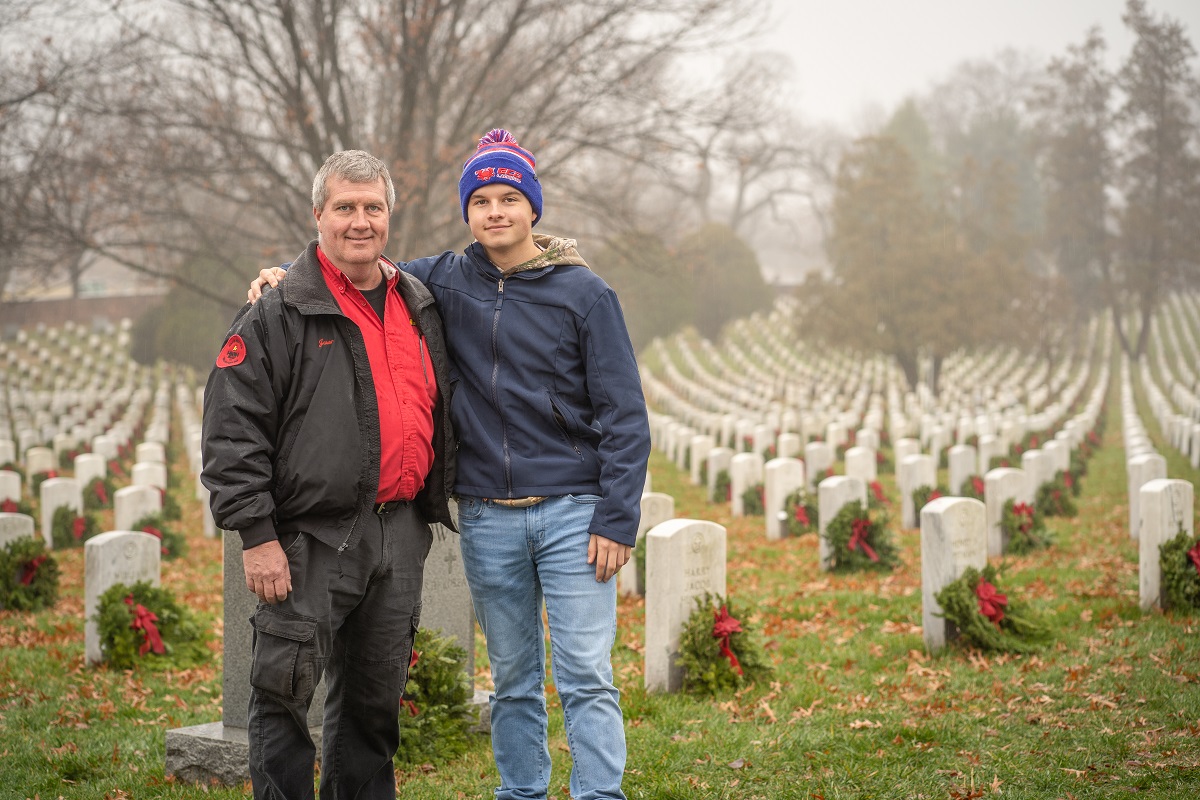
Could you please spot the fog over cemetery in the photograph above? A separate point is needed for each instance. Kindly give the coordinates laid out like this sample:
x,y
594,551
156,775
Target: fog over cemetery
x,y
924,396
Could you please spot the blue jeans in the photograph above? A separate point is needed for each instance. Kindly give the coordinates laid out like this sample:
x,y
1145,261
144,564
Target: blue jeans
x,y
513,558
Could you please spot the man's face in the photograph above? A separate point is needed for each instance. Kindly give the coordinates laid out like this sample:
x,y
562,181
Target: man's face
x,y
500,216
353,224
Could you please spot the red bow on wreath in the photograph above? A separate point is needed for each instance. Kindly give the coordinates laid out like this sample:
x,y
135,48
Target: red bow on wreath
x,y
143,620
78,527
725,626
30,569
858,538
100,492
991,602
802,515
1194,555
8,506
1024,510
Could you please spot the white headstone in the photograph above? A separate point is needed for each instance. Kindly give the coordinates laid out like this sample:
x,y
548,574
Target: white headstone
x,y
88,467
861,463
15,526
781,477
989,448
8,451
1001,485
904,448
867,437
1166,508
10,485
134,502
953,537
656,508
110,558
718,460
745,470
39,460
912,473
962,462
685,559
832,494
1059,454
1038,468
790,445
818,458
105,446
149,473
56,493
1141,470
699,447
150,451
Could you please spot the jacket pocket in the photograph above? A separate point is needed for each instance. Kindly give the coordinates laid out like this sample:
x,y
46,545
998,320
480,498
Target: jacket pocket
x,y
285,654
566,426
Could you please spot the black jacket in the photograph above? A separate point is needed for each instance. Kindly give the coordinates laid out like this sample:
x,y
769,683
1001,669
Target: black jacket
x,y
291,431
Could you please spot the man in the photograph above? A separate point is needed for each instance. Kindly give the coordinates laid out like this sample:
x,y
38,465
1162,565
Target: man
x,y
328,447
553,445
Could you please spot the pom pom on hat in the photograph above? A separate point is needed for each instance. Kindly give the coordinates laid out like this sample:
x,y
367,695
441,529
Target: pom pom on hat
x,y
500,159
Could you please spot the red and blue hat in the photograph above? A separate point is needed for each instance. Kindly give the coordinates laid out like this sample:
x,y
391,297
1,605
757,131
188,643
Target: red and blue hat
x,y
499,159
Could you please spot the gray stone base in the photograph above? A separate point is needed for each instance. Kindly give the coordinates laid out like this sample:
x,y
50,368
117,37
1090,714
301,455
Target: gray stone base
x,y
213,753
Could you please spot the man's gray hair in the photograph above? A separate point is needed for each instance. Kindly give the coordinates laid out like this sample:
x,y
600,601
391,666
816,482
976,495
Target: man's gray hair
x,y
356,166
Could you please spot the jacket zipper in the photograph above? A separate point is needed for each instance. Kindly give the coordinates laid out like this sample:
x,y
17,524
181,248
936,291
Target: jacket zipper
x,y
495,381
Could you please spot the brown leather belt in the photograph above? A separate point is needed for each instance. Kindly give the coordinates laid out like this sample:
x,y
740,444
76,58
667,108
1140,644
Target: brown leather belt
x,y
515,502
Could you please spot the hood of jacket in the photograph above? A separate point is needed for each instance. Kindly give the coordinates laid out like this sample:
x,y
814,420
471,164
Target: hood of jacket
x,y
556,251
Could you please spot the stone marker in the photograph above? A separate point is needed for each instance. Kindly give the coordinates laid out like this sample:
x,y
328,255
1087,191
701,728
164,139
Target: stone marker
x,y
149,473
1001,485
39,460
953,537
698,449
790,445
656,508
962,461
15,526
718,460
745,470
110,558
990,446
685,559
904,448
1165,508
105,446
56,493
8,451
818,458
134,502
88,467
150,451
913,472
781,477
1038,469
862,464
1141,469
10,485
832,494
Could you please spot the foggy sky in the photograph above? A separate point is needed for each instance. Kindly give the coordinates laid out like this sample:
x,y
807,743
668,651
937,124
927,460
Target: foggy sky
x,y
851,54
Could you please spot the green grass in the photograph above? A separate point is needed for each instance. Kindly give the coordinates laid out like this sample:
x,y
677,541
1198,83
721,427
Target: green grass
x,y
856,709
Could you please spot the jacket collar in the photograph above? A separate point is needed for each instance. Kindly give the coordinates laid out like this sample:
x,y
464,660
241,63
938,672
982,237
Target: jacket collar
x,y
557,251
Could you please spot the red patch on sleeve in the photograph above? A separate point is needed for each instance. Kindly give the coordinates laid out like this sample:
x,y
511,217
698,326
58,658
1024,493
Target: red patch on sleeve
x,y
233,353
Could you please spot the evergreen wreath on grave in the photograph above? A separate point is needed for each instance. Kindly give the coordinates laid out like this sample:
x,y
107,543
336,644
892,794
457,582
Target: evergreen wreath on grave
x,y
117,470
922,495
1055,498
66,459
800,513
1179,560
718,652
882,462
747,444
11,467
752,501
857,541
170,506
143,625
704,472
35,485
70,530
174,544
987,618
721,489
1023,527
974,487
1079,459
99,494
875,496
28,575
435,718
768,452
10,506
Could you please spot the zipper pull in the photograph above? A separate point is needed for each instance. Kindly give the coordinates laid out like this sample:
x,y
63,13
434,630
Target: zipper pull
x,y
502,285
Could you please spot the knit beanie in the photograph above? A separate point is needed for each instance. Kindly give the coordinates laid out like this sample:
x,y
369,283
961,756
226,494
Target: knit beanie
x,y
499,159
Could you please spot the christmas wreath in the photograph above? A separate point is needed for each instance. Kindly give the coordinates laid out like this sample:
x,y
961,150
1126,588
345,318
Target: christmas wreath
x,y
857,541
68,529
922,495
1055,498
435,719
117,471
752,501
717,651
35,482
1024,530
875,496
173,543
974,487
799,513
170,506
11,467
988,619
99,494
28,575
721,487
144,625
10,506
1179,560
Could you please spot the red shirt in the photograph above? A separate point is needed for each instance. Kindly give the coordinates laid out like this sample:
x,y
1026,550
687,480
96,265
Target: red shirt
x,y
405,387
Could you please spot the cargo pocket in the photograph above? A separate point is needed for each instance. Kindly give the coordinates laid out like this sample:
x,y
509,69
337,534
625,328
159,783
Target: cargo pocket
x,y
285,651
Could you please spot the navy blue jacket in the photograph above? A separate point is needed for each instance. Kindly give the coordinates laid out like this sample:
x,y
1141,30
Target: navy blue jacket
x,y
547,398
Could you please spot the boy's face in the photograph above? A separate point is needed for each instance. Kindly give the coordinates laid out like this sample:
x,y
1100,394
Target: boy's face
x,y
500,217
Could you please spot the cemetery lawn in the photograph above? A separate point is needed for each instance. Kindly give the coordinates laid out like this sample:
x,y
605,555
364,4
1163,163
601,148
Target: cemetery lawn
x,y
855,709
